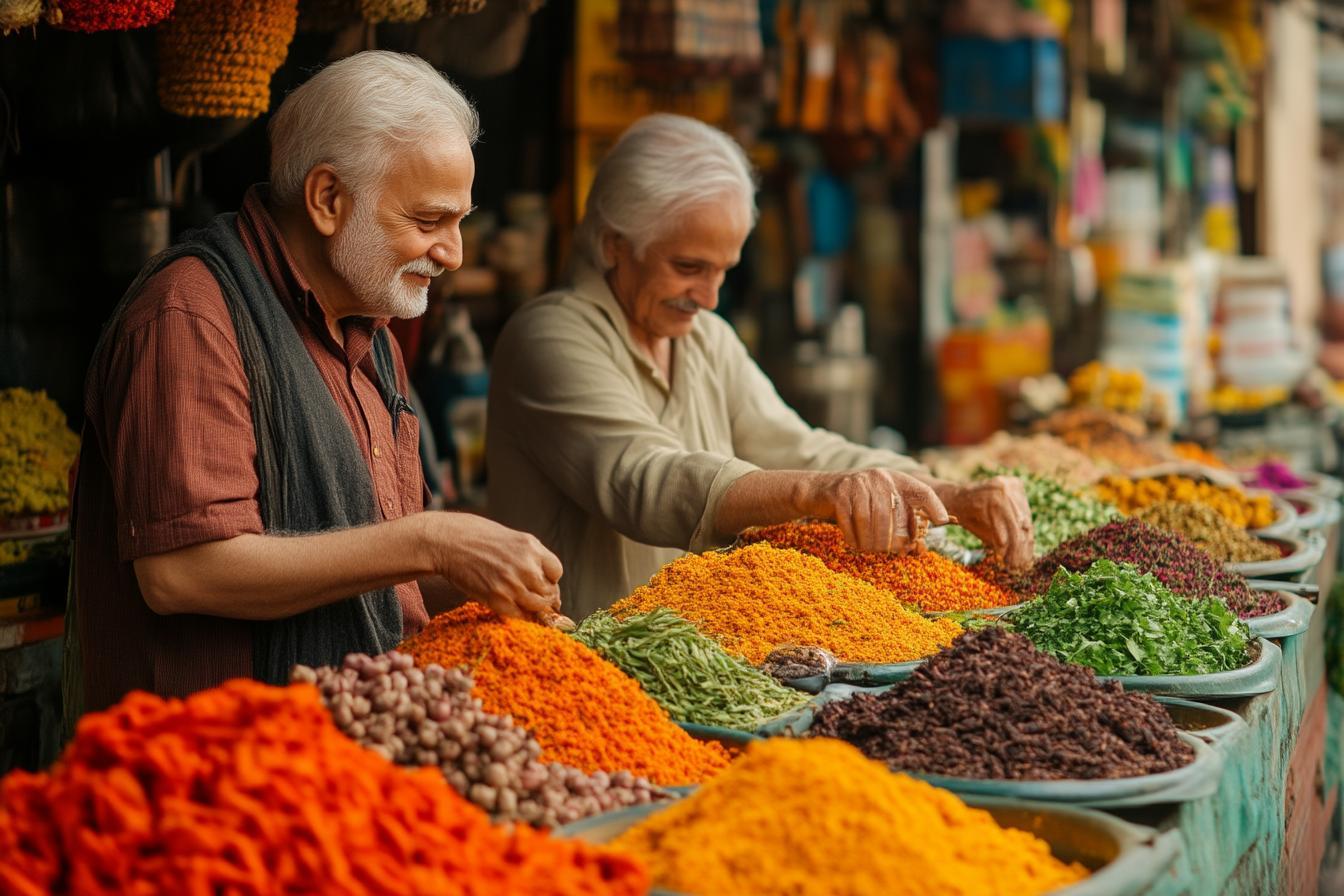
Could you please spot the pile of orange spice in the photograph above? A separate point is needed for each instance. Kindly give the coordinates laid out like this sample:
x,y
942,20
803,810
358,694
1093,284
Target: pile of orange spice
x,y
760,597
926,579
583,711
1234,505
247,788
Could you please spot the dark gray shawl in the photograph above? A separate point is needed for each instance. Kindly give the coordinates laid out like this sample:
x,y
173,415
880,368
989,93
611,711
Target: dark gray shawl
x,y
313,476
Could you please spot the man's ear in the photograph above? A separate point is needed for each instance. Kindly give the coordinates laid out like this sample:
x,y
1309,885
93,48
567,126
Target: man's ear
x,y
615,248
326,199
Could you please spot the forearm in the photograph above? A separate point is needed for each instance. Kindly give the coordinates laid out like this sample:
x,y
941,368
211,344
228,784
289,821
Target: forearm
x,y
262,577
766,497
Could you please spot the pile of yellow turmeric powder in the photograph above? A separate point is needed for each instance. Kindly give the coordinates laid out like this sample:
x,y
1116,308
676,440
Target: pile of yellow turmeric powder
x,y
803,817
759,597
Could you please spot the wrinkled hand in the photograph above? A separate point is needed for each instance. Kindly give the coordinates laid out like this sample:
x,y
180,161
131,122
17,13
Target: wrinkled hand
x,y
510,572
996,510
877,510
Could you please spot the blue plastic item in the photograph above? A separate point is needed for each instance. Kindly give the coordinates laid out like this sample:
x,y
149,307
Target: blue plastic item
x,y
1125,859
730,737
991,80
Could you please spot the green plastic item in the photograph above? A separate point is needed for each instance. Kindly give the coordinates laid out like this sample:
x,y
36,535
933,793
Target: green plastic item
x,y
1214,724
1305,552
1258,677
1294,619
729,737
1125,859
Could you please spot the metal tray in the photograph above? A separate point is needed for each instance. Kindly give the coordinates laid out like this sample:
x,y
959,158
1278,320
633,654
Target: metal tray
x,y
1294,619
1319,511
1303,555
1258,677
1125,859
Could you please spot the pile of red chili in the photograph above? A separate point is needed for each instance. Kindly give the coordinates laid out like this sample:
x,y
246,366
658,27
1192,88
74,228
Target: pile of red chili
x,y
247,788
929,580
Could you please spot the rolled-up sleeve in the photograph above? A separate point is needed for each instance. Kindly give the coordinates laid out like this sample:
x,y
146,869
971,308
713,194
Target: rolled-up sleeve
x,y
566,405
177,436
771,435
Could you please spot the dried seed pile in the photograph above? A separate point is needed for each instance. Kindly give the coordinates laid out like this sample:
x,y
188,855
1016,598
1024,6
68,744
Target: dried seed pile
x,y
994,707
1235,506
1042,454
760,597
690,675
427,716
1177,563
926,579
1206,528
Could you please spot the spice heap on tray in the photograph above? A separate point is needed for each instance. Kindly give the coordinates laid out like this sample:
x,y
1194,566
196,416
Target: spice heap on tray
x,y
811,817
1042,454
1057,514
251,788
1120,621
928,580
1177,563
427,716
1234,505
992,706
690,675
37,450
1209,531
581,709
760,597
1277,476
1105,436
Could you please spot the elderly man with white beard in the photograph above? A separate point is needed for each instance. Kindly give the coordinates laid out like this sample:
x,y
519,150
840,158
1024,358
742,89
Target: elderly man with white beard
x,y
249,494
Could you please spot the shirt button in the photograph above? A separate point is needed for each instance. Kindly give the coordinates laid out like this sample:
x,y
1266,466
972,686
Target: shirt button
x,y
387,504
377,452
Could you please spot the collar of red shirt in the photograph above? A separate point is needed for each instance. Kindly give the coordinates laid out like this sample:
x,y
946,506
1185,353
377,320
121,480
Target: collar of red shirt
x,y
262,235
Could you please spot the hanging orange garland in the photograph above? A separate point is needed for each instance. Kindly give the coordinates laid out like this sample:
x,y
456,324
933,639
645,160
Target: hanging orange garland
x,y
216,57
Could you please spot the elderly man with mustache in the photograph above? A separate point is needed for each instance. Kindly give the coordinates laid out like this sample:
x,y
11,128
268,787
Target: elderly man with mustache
x,y
249,495
628,425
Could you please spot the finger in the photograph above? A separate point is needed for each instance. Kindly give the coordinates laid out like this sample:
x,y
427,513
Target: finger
x,y
502,606
845,520
880,528
920,497
551,566
537,603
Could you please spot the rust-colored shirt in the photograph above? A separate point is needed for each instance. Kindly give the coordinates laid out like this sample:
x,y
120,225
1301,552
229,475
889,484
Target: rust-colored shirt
x,y
168,461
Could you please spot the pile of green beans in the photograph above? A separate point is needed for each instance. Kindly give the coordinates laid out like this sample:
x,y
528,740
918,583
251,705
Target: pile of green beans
x,y
690,676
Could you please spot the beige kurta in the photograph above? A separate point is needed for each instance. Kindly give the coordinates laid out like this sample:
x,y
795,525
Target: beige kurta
x,y
590,450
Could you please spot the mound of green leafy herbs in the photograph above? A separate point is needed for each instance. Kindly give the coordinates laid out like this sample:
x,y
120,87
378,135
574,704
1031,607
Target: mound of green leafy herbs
x,y
1120,621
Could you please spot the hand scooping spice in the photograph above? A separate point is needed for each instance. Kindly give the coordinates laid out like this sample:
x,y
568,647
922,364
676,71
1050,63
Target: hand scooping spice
x,y
1207,529
1057,514
759,597
1119,621
815,818
582,710
992,706
690,676
926,579
427,717
1177,563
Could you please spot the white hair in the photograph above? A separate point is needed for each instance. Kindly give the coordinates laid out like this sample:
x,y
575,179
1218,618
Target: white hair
x,y
352,113
661,167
